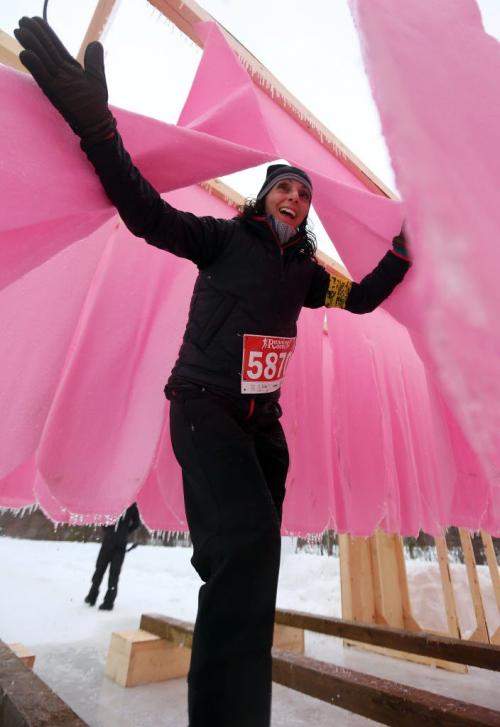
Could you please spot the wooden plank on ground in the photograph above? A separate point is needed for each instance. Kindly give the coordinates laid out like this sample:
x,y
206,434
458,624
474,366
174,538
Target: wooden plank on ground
x,y
379,699
485,656
26,701
384,701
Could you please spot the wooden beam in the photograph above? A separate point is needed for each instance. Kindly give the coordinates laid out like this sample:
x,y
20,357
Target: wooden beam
x,y
491,559
26,701
481,632
97,25
378,699
179,632
447,585
9,52
485,656
186,13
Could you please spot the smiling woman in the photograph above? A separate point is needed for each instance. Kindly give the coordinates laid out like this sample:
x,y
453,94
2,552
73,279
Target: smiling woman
x,y
255,274
287,192
284,200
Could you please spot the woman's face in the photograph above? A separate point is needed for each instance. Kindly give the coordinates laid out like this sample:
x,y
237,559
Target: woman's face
x,y
289,202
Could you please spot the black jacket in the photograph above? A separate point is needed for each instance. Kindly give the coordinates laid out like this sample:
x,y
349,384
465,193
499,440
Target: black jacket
x,y
247,283
119,532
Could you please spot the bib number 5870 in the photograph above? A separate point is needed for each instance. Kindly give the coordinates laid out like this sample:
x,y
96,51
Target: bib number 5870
x,y
265,360
267,365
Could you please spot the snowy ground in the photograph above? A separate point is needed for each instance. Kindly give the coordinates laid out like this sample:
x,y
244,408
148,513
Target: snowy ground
x,y
44,583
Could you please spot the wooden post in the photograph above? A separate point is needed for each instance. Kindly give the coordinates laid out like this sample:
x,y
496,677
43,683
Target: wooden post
x,y
491,559
97,25
288,638
481,632
447,585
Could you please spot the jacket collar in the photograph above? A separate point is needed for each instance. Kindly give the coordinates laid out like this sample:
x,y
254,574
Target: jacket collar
x,y
261,226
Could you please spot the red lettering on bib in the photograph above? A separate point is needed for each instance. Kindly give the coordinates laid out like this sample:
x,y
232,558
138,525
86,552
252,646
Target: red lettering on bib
x,y
265,360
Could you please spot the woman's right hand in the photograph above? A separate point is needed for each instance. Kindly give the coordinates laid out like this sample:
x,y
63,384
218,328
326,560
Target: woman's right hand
x,y
79,94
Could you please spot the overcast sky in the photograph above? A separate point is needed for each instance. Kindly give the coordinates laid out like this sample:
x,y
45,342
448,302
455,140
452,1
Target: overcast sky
x,y
311,47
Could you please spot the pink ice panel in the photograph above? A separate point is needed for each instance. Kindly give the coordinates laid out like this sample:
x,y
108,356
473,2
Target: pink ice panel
x,y
309,484
237,110
400,460
161,500
109,401
16,488
433,71
50,210
39,313
90,330
50,505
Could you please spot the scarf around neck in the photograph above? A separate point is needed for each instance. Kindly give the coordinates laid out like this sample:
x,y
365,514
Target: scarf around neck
x,y
283,232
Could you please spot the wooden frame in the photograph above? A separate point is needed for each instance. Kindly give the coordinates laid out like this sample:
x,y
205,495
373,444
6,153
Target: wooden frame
x,y
186,13
374,590
97,25
9,52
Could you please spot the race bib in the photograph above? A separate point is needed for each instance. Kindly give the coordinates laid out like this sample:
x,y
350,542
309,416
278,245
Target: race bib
x,y
265,360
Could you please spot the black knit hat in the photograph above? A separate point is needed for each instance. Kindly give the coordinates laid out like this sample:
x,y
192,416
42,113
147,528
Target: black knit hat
x,y
276,172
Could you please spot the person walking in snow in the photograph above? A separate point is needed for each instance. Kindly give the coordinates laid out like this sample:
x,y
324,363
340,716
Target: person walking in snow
x,y
256,272
112,554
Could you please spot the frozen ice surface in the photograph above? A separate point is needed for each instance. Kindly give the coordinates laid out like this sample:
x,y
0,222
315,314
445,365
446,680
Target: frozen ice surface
x,y
44,583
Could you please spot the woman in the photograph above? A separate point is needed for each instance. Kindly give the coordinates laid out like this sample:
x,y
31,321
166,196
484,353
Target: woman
x,y
256,272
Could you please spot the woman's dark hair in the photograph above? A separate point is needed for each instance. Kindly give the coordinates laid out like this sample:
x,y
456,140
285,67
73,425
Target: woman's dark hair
x,y
256,208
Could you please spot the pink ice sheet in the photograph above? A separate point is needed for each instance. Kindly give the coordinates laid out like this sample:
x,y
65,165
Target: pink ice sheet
x,y
434,75
92,318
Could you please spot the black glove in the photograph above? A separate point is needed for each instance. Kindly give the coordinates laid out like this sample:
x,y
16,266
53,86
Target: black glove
x,y
79,94
400,246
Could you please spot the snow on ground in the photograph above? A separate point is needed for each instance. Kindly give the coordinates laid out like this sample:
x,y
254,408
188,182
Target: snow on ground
x,y
44,584
48,580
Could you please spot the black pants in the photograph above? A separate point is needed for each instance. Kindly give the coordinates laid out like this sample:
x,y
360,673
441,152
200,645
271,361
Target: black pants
x,y
112,553
234,472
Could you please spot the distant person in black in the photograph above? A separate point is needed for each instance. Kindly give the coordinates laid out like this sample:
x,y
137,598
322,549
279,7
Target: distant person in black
x,y
112,553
